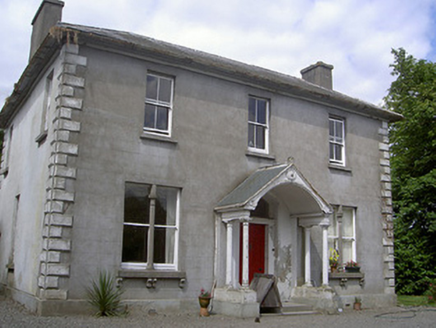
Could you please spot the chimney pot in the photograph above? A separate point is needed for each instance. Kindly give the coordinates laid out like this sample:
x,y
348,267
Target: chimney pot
x,y
47,15
319,74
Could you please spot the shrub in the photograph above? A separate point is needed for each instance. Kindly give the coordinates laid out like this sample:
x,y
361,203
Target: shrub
x,y
431,292
105,296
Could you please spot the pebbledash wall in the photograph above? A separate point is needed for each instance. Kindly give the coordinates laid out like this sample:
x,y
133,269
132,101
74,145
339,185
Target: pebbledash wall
x,y
95,144
62,194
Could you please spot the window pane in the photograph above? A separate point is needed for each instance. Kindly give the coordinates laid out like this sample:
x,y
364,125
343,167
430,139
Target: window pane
x,y
347,224
260,137
151,92
251,128
165,90
332,231
136,203
252,110
134,244
164,245
166,206
162,118
338,152
261,111
149,117
338,129
347,251
331,128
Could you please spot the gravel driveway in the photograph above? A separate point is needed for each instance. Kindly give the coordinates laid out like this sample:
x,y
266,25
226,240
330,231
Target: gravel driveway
x,y
14,315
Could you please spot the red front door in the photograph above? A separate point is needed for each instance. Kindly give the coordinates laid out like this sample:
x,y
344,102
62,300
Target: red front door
x,y
256,250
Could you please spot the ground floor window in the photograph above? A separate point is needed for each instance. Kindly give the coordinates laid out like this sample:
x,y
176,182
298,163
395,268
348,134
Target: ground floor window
x,y
342,233
150,235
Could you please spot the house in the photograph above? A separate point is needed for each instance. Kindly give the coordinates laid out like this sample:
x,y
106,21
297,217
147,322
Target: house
x,y
178,170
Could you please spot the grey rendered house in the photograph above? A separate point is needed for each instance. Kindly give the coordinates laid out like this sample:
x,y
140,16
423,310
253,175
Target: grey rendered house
x,y
178,170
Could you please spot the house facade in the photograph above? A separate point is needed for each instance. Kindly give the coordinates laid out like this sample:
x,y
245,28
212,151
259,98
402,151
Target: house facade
x,y
177,170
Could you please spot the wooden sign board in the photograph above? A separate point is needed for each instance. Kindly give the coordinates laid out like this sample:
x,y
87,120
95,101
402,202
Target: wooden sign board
x,y
267,292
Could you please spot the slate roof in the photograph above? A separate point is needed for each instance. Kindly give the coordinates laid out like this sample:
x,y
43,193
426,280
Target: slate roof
x,y
171,54
242,194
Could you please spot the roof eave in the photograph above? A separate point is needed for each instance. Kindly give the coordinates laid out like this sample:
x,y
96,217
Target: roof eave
x,y
253,75
36,65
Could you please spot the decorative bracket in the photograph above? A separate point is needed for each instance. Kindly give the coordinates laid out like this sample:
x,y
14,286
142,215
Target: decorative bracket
x,y
151,283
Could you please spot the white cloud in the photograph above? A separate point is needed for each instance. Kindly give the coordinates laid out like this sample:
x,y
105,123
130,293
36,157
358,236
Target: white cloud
x,y
355,36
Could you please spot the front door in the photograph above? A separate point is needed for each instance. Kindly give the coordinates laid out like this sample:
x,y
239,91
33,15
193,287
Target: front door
x,y
256,250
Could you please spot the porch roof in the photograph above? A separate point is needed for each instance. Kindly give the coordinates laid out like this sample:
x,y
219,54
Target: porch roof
x,y
247,194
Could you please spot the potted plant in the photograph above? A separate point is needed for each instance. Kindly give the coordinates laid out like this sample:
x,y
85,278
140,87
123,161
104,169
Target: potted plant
x,y
352,266
334,260
357,304
204,300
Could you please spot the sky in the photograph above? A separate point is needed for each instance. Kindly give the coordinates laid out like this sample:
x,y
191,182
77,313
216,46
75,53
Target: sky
x,y
355,36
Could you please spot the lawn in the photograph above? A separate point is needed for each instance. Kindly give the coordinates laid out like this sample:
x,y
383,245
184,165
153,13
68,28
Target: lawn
x,y
406,300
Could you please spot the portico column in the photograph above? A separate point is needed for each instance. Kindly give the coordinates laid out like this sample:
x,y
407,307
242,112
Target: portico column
x,y
229,251
325,257
307,268
245,254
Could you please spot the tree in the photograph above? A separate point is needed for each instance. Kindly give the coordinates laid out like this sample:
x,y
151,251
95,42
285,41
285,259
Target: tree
x,y
413,164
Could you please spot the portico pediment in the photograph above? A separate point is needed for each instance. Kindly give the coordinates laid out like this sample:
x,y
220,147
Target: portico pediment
x,y
284,179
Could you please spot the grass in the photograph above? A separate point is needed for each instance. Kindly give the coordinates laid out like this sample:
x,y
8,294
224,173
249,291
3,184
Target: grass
x,y
406,300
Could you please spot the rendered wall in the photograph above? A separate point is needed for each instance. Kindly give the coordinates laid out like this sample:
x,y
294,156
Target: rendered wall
x,y
206,158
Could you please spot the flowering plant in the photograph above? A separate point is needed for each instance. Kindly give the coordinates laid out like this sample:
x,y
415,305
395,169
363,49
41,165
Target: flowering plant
x,y
334,257
431,292
204,293
351,264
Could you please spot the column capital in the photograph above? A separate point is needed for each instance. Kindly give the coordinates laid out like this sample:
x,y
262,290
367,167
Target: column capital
x,y
241,215
325,223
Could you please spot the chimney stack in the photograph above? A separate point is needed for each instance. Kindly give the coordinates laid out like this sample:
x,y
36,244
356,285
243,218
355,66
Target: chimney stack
x,y
48,14
319,74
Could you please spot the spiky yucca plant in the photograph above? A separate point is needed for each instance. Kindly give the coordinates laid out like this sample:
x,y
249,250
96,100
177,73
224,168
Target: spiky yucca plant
x,y
105,295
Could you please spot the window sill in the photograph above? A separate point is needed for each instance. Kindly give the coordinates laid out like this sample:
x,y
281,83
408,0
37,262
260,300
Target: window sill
x,y
152,276
259,155
41,138
339,168
146,274
155,137
343,277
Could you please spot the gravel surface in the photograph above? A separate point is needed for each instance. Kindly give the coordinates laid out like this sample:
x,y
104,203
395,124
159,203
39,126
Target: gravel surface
x,y
14,315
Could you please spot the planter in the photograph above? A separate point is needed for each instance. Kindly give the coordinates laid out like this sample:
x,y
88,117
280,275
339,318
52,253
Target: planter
x,y
352,269
357,306
204,303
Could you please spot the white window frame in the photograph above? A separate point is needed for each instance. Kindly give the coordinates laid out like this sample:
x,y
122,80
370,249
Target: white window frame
x,y
333,237
6,150
159,266
337,141
156,102
46,108
265,126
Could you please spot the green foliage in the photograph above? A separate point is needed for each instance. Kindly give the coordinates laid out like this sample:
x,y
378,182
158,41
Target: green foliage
x,y
413,163
105,296
431,292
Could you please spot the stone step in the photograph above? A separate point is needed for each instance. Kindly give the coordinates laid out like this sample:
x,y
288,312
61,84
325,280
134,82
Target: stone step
x,y
295,307
291,308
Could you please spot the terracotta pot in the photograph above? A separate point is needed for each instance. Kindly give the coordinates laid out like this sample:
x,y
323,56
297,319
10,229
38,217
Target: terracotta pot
x,y
357,306
204,303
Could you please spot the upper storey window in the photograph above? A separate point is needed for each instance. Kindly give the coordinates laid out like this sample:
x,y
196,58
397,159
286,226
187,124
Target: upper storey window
x,y
258,124
337,141
158,104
